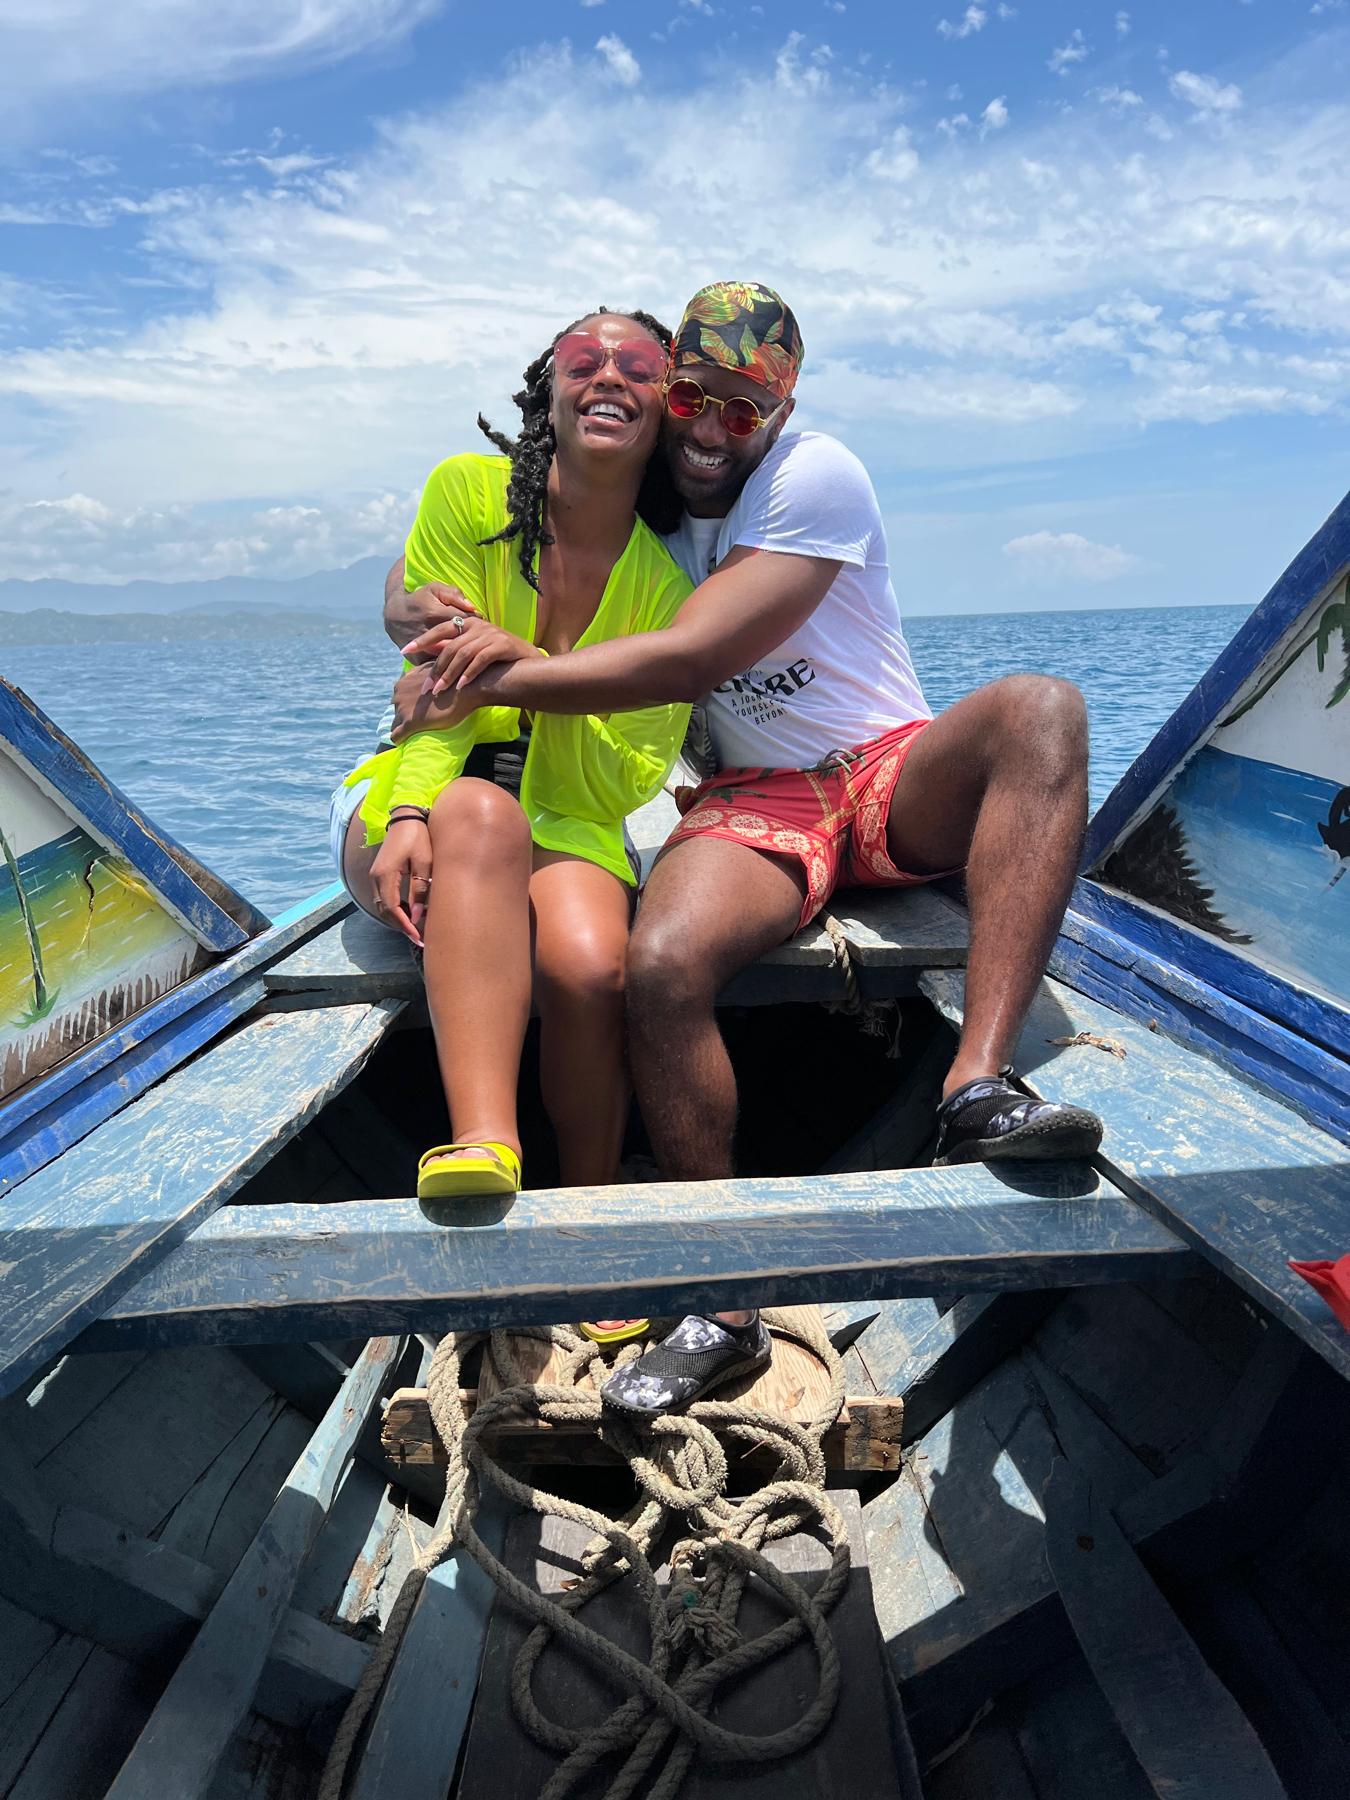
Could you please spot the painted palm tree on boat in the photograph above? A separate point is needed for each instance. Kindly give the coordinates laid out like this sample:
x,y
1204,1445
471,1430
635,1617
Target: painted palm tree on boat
x,y
1335,621
44,997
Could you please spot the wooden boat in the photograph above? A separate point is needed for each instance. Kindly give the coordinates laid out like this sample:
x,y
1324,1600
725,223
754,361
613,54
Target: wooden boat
x,y
1114,1561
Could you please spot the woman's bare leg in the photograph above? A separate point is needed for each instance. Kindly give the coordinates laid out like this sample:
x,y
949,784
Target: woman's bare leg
x,y
581,916
477,968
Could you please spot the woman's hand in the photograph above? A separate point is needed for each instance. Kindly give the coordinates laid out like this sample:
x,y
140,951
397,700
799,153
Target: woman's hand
x,y
434,603
401,876
463,648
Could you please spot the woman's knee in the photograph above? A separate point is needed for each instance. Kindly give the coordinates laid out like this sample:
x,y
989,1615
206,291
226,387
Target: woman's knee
x,y
472,815
588,973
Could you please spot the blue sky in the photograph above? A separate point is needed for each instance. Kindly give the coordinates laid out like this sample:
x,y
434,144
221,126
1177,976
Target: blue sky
x,y
1074,279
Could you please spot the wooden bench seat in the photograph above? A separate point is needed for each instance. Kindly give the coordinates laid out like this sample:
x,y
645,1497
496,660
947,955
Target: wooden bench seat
x,y
890,935
279,1273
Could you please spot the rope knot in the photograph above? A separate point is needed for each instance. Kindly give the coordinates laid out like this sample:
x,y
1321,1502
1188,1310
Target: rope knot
x,y
695,1620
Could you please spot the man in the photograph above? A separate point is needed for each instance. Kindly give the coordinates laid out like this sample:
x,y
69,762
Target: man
x,y
831,771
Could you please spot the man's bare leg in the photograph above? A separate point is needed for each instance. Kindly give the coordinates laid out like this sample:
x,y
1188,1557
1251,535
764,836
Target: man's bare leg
x,y
998,783
710,908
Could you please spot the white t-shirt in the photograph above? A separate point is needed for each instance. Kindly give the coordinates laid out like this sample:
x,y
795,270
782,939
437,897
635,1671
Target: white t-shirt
x,y
843,677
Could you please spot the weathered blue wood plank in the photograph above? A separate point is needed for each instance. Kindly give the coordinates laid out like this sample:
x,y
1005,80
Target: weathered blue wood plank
x,y
80,1232
1238,1175
219,918
964,1593
356,958
959,1351
275,1273
69,1118
1282,1062
139,1597
1189,1734
1175,949
55,1111
212,1689
308,1376
413,1741
889,936
1321,561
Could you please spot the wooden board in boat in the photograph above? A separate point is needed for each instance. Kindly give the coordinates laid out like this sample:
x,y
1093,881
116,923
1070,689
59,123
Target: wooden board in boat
x,y
863,1750
795,1386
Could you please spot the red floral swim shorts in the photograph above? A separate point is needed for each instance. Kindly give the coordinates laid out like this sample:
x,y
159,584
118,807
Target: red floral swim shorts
x,y
831,818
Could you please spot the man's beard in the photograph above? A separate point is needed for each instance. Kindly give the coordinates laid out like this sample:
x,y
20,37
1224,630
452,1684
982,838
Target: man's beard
x,y
692,489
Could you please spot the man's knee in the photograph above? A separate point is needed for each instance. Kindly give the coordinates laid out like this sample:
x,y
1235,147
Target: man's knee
x,y
665,969
472,815
1045,717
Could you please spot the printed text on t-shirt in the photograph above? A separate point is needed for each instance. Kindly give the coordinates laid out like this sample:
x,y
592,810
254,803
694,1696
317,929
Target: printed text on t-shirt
x,y
767,698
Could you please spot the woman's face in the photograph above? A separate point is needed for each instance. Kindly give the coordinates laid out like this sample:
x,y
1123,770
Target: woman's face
x,y
604,412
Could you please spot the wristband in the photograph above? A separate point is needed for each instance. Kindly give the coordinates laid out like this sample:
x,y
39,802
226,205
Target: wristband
x,y
408,813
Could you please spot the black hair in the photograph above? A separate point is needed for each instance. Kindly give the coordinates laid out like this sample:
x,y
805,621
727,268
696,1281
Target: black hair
x,y
531,455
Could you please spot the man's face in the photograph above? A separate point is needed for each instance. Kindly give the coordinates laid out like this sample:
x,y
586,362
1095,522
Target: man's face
x,y
709,466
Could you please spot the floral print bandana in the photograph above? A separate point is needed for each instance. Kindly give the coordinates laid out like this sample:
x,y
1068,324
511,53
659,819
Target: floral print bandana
x,y
741,325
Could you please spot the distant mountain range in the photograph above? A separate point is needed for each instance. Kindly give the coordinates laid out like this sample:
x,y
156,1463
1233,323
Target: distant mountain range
x,y
353,593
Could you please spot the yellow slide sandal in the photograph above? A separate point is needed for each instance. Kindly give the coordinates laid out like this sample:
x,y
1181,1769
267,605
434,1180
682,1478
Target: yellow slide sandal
x,y
618,1334
443,1176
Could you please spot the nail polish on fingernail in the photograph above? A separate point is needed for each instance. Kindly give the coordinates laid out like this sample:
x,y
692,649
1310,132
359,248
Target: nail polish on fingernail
x,y
427,687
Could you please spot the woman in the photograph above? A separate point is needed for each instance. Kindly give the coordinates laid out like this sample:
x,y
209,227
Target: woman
x,y
532,897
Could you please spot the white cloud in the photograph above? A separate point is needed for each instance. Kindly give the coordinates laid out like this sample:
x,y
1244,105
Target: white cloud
x,y
1057,557
897,159
794,77
995,115
322,339
1210,97
1075,51
585,3
1122,24
82,47
77,538
622,65
973,19
1119,99
1006,12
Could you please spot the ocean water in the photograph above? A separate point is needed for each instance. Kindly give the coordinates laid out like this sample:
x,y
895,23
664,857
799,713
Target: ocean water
x,y
235,747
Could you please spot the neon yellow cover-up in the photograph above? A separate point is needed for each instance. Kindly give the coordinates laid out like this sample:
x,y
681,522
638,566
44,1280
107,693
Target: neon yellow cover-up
x,y
583,775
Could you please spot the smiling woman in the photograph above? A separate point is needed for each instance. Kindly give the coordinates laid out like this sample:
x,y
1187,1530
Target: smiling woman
x,y
512,866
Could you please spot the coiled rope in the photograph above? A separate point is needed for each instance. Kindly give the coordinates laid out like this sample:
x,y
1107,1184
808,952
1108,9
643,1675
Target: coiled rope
x,y
696,1646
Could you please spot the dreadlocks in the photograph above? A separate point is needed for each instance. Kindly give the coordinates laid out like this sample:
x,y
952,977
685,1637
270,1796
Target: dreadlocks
x,y
531,456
